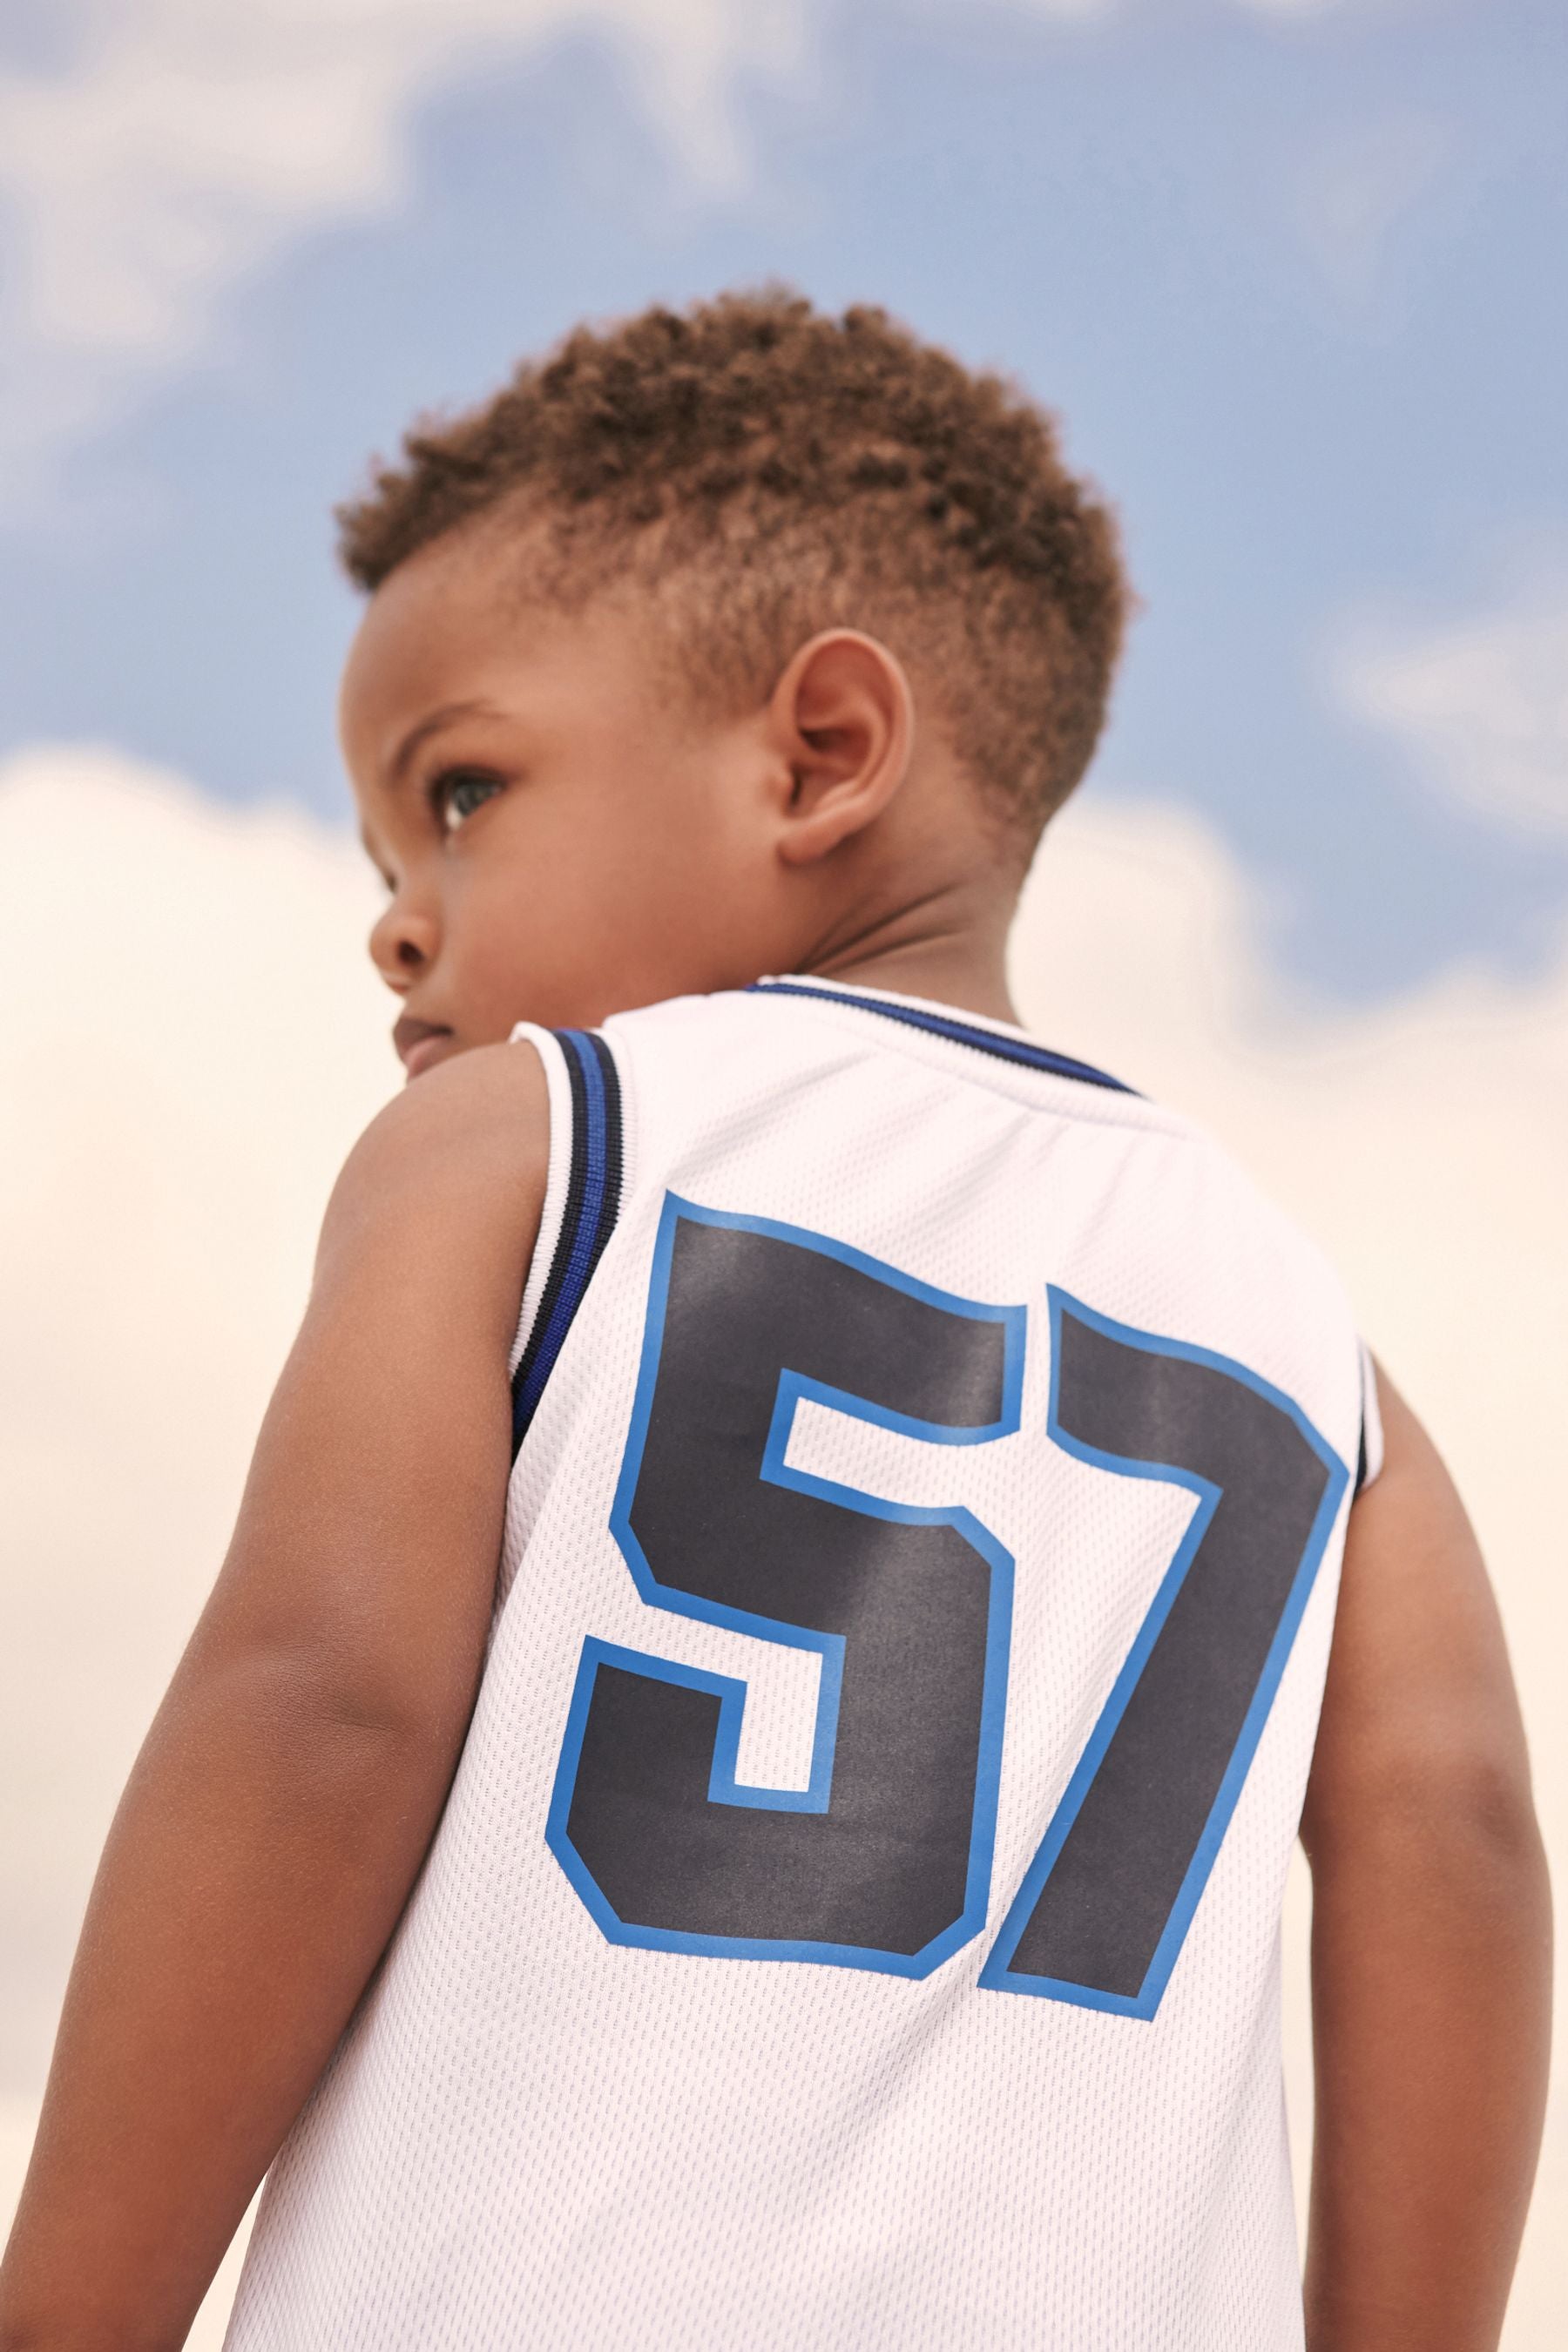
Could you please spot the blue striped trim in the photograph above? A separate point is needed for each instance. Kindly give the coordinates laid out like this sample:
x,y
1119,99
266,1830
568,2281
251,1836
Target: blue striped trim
x,y
960,1033
588,1218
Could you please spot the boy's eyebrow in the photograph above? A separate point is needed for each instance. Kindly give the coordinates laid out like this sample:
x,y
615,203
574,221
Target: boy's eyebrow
x,y
429,724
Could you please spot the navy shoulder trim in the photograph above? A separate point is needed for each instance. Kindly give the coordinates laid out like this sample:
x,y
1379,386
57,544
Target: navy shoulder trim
x,y
962,1033
587,1219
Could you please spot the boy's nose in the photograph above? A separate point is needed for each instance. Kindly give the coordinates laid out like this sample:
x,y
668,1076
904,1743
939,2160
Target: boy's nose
x,y
402,945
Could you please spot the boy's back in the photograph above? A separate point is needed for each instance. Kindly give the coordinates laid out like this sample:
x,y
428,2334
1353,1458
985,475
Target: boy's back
x,y
855,1917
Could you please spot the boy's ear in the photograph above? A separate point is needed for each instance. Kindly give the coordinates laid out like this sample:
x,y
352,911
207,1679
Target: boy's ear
x,y
841,721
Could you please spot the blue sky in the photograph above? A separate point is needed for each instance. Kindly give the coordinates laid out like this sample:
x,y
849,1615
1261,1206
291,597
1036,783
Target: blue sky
x,y
1293,274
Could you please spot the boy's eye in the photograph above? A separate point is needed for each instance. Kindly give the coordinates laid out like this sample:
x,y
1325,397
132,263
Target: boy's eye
x,y
458,793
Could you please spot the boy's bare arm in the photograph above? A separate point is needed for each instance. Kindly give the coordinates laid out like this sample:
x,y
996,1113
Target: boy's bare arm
x,y
295,1772
1431,1934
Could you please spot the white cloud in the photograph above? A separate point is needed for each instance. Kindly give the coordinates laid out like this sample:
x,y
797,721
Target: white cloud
x,y
194,1036
1355,191
1479,706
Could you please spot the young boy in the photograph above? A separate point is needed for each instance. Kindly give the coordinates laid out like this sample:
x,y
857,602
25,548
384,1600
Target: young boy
x,y
825,1889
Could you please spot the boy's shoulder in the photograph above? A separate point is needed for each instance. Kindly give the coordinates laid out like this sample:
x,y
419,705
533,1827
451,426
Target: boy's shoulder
x,y
757,1054
761,1038
466,1143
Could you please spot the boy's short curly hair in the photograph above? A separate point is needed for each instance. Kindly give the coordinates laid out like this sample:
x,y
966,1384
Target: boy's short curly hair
x,y
760,471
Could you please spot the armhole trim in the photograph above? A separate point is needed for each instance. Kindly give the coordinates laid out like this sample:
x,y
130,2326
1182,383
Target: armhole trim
x,y
583,1199
1370,1459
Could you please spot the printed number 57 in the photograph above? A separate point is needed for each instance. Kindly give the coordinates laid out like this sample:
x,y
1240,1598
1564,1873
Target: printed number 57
x,y
884,1861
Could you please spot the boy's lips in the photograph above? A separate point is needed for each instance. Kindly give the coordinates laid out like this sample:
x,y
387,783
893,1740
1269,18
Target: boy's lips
x,y
420,1042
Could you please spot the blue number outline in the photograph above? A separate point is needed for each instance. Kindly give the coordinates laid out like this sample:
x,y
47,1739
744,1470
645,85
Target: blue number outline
x,y
997,1975
724,1787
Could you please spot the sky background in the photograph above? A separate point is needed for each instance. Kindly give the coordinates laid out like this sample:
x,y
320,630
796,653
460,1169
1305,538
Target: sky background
x,y
1293,276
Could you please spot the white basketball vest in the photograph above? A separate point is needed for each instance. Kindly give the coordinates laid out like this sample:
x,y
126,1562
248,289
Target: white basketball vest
x,y
855,1920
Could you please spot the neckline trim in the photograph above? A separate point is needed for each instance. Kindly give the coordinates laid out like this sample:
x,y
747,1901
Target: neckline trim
x,y
1006,1045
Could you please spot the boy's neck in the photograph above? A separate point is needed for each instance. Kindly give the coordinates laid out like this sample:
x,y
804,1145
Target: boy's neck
x,y
961,962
